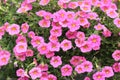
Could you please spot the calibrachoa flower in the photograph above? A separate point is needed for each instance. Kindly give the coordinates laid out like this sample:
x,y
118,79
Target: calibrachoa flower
x,y
117,22
49,54
24,27
72,5
79,69
116,55
29,53
52,77
43,67
13,29
31,34
108,71
66,45
87,66
99,26
21,39
71,35
116,67
20,72
99,76
35,73
66,70
44,23
54,46
87,78
44,2
21,47
56,61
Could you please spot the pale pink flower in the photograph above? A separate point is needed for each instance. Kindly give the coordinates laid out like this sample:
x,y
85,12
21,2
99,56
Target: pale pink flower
x,y
87,66
72,5
30,1
13,29
106,32
21,39
35,73
99,76
116,55
21,47
86,47
47,15
66,45
53,38
113,6
25,27
94,40
65,1
79,69
29,53
31,34
92,15
99,26
49,54
52,77
44,23
116,67
83,21
66,70
36,41
108,71
44,2
80,35
20,72
117,22
54,46
56,31
43,48
41,13
43,67
74,25
112,13
71,35
56,61
70,15
4,59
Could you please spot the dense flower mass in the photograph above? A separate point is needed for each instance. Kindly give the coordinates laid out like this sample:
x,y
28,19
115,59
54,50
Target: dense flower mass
x,y
73,38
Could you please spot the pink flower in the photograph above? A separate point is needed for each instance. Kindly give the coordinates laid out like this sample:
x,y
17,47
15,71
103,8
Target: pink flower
x,y
52,77
2,31
99,26
23,78
47,15
54,46
75,60
74,25
30,1
95,40
106,32
20,56
13,29
49,54
25,27
117,22
31,34
56,61
66,45
44,2
112,13
116,67
99,76
71,35
53,38
4,59
86,47
44,76
21,47
64,23
56,25
83,21
72,5
43,48
65,1
62,15
92,15
87,78
66,70
80,35
87,66
36,41
29,53
70,15
41,13
79,69
43,67
56,31
21,39
108,71
62,4
44,23
35,73
20,72
85,8
116,55
79,42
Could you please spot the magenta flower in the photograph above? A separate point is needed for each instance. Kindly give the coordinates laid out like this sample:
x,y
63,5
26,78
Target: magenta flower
x,y
52,77
71,35
21,47
43,67
54,46
66,70
79,69
116,55
29,53
49,54
116,67
87,66
20,72
56,31
99,76
99,26
56,61
31,34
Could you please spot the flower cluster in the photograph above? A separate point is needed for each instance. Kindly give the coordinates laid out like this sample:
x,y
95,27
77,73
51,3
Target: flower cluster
x,y
66,34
